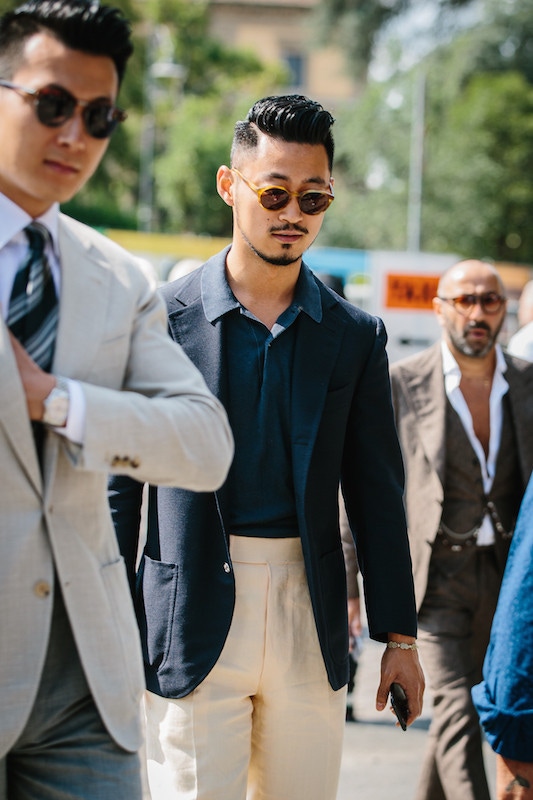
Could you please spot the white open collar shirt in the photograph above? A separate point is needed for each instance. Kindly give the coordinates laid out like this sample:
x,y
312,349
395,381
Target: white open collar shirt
x,y
452,379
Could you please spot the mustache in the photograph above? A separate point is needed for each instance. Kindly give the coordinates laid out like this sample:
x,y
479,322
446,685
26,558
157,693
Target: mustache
x,y
476,326
287,227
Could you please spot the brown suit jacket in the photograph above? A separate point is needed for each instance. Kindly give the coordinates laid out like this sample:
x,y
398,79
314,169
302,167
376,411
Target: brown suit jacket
x,y
419,399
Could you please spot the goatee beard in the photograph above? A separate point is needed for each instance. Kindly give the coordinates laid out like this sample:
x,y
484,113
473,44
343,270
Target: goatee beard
x,y
276,261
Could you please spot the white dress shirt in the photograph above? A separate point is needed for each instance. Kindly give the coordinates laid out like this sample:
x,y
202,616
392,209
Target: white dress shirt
x,y
452,379
13,251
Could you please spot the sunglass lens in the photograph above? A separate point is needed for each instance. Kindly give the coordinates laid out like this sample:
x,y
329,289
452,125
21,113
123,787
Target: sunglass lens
x,y
491,302
465,302
314,202
274,199
54,106
100,120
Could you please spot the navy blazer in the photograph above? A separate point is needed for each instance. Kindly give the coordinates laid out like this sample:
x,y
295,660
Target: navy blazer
x,y
342,431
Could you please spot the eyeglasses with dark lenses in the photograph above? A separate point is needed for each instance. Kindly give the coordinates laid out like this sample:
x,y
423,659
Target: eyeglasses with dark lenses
x,y
490,302
55,105
275,198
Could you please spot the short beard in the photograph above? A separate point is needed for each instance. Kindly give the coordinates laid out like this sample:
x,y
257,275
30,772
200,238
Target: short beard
x,y
460,343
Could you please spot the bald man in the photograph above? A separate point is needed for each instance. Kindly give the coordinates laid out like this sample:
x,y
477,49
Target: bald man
x,y
465,420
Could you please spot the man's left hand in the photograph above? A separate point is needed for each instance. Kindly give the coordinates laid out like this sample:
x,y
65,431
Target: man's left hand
x,y
403,667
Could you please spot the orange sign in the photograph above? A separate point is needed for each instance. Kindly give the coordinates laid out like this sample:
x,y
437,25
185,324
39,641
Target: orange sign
x,y
410,291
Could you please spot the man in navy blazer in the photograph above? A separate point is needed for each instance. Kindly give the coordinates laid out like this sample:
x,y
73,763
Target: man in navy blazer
x,y
241,593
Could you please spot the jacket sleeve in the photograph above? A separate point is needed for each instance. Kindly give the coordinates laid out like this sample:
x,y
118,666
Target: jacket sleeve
x,y
504,699
373,486
149,413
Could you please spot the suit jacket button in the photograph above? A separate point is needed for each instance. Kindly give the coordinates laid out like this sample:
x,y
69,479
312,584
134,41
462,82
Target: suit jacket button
x,y
227,567
42,589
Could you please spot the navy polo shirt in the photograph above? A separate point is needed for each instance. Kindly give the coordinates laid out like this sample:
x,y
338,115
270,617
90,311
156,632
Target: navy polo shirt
x,y
259,376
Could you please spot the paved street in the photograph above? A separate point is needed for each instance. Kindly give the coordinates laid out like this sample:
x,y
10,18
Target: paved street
x,y
381,761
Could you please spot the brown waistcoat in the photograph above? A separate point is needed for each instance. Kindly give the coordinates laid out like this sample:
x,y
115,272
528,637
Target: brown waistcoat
x,y
465,501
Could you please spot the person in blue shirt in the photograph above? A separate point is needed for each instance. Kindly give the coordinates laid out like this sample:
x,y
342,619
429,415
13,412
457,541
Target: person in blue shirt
x,y
504,699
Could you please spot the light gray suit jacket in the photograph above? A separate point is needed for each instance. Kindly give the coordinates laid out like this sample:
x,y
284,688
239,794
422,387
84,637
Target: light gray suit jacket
x,y
419,399
150,415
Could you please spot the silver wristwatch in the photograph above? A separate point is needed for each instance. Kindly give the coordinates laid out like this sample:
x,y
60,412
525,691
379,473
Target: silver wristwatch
x,y
56,405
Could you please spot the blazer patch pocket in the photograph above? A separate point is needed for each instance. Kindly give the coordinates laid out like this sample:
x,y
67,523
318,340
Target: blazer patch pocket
x,y
159,583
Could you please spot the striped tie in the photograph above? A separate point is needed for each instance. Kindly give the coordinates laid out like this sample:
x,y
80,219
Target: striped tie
x,y
33,308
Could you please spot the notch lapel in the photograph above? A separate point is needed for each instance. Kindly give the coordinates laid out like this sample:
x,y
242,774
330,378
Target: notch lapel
x,y
426,389
13,413
310,382
83,305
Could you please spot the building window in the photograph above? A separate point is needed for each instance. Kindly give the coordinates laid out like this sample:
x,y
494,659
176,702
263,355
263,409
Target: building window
x,y
296,65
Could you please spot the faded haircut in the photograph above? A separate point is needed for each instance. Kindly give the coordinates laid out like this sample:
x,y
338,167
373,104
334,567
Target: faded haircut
x,y
292,118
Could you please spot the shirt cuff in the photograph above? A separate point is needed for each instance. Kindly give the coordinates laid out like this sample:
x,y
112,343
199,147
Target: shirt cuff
x,y
74,430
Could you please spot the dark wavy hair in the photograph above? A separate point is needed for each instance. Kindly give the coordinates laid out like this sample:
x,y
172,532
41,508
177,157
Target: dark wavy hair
x,y
292,117
83,25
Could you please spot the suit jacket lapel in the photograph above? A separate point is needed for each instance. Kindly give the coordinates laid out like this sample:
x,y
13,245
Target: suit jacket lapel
x,y
202,342
13,412
426,388
310,381
83,305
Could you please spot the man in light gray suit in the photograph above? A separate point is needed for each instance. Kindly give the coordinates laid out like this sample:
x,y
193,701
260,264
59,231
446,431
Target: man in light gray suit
x,y
91,384
465,420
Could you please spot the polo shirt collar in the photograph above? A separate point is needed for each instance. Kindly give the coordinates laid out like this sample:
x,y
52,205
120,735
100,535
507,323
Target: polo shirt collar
x,y
218,299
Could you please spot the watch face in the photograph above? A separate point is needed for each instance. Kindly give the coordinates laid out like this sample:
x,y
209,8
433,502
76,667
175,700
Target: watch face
x,y
56,407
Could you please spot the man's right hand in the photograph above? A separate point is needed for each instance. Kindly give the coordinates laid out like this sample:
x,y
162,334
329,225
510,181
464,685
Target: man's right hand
x,y
37,383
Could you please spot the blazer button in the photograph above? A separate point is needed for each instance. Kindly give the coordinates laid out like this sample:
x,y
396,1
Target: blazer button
x,y
227,567
42,589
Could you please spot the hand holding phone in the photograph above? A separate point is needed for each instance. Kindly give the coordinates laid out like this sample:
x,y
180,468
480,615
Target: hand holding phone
x,y
399,704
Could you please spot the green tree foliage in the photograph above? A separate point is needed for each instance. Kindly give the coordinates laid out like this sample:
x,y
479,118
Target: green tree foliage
x,y
477,197
479,192
355,25
505,42
371,170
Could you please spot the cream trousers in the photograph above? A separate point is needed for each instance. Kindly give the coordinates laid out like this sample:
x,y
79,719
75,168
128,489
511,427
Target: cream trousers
x,y
265,723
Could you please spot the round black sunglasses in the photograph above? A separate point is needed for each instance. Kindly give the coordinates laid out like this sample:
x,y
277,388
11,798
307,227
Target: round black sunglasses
x,y
54,105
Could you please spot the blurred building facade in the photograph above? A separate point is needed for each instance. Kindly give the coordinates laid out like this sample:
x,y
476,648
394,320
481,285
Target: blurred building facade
x,y
283,31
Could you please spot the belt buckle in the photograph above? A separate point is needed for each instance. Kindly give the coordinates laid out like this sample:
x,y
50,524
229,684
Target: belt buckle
x,y
457,542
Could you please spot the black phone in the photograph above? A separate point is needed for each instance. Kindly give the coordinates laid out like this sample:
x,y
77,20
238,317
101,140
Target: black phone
x,y
399,704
